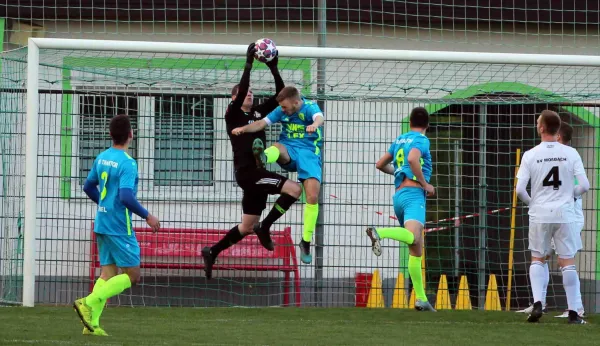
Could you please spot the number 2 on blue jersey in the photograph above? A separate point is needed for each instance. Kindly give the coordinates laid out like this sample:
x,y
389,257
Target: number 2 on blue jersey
x,y
104,177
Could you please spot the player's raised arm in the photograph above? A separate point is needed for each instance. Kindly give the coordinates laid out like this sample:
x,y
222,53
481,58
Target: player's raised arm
x,y
279,85
271,103
244,85
128,175
90,186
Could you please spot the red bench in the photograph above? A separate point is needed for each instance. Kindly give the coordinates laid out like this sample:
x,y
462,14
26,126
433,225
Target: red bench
x,y
175,248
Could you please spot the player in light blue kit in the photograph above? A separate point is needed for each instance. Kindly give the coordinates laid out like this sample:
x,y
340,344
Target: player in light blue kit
x,y
116,175
298,150
412,168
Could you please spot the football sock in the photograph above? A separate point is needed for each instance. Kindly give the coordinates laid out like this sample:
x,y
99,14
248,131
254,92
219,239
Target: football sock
x,y
282,204
311,211
397,233
537,275
416,276
546,281
231,238
272,154
111,288
572,289
97,312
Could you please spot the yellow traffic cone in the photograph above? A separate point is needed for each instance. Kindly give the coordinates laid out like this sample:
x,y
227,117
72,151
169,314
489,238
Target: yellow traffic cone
x,y
442,301
492,299
376,293
399,301
463,299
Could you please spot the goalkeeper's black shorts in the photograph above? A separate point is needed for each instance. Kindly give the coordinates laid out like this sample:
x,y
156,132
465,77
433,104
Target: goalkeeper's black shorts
x,y
258,184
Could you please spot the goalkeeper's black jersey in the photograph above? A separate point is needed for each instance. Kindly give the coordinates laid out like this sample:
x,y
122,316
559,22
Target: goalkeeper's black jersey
x,y
242,144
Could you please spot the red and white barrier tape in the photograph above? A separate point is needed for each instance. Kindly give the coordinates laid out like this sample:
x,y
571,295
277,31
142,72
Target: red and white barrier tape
x,y
456,218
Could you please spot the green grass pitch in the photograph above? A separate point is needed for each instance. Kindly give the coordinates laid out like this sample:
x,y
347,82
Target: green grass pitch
x,y
290,326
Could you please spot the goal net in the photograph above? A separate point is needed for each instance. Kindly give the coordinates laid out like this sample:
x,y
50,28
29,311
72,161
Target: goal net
x,y
483,110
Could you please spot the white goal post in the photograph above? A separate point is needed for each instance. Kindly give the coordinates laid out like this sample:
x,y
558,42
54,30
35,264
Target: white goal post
x,y
33,76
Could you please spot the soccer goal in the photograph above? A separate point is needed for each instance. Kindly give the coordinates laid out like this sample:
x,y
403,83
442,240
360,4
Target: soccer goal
x,y
58,96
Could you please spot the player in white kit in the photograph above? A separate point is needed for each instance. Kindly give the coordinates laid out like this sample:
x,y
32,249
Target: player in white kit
x,y
552,168
565,134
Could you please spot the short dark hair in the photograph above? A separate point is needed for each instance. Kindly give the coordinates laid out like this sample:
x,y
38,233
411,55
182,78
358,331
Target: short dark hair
x,y
419,118
551,122
120,128
289,92
235,90
566,132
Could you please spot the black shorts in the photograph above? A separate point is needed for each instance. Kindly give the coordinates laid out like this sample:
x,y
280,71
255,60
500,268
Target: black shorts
x,y
257,185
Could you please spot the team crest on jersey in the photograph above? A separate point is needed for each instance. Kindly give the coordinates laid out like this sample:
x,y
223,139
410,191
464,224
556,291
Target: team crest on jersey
x,y
257,115
301,116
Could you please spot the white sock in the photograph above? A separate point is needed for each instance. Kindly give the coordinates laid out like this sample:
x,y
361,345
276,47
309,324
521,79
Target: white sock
x,y
571,283
546,281
537,276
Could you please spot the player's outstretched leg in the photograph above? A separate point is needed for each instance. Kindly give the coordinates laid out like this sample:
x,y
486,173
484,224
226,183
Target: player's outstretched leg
x,y
258,150
276,152
209,254
400,234
290,192
375,240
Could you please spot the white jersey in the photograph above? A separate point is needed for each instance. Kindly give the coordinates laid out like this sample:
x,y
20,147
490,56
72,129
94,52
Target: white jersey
x,y
551,168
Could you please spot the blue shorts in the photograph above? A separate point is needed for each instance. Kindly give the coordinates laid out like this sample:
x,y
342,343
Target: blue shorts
x,y
122,250
409,204
304,161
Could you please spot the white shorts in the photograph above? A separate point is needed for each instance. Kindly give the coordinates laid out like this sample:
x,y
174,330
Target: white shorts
x,y
565,236
579,225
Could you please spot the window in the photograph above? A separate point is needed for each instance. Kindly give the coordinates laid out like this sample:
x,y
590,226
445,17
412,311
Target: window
x,y
184,140
95,113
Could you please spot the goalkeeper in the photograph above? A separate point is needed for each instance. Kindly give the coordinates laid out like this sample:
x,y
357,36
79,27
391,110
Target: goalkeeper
x,y
250,173
298,150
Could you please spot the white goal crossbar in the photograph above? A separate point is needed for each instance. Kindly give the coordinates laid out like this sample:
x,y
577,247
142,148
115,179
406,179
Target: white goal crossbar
x,y
33,63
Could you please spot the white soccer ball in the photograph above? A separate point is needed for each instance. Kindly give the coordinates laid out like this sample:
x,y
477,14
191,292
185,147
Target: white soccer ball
x,y
265,50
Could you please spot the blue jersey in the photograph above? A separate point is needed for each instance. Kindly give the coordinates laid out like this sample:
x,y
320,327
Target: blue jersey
x,y
294,132
400,149
113,169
